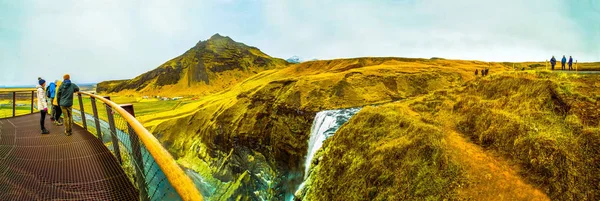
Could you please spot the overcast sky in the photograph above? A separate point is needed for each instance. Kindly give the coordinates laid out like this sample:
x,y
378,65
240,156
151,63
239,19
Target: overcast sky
x,y
96,40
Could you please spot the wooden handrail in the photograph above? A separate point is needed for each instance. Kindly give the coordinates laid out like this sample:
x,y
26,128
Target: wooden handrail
x,y
176,176
17,90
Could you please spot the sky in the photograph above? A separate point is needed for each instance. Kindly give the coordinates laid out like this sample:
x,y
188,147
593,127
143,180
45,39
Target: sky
x,y
97,40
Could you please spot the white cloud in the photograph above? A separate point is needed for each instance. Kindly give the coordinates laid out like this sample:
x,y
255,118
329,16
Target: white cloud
x,y
116,39
467,29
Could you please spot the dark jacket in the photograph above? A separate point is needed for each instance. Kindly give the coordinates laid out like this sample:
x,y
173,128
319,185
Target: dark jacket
x,y
50,91
553,61
65,93
570,60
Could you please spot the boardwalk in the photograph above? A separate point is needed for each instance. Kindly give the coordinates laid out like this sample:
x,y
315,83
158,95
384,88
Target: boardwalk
x,y
55,166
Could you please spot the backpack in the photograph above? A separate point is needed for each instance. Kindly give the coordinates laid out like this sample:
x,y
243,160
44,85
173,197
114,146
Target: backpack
x,y
48,91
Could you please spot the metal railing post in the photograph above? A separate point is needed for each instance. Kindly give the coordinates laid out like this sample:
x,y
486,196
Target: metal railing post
x,y
14,104
113,129
97,120
32,102
137,155
82,111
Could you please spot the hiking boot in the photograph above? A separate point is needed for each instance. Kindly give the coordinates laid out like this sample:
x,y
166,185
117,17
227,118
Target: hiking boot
x,y
45,131
68,133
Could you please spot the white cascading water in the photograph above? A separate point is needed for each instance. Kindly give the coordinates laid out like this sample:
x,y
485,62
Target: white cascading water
x,y
326,123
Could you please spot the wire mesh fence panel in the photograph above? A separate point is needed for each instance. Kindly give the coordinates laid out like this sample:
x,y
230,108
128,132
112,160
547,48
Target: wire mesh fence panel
x,y
159,187
22,103
153,178
6,104
138,164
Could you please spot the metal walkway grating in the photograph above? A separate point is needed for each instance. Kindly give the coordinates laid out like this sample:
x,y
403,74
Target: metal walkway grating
x,y
55,166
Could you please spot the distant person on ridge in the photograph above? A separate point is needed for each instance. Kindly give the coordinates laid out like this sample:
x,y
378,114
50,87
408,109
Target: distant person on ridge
x,y
50,92
65,100
55,107
476,72
563,61
570,63
42,104
553,62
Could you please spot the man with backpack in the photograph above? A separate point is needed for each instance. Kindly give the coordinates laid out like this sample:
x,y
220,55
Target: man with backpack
x,y
65,100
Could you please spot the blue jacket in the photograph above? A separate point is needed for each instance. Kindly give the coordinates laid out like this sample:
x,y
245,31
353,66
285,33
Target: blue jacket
x,y
564,60
50,91
553,61
571,60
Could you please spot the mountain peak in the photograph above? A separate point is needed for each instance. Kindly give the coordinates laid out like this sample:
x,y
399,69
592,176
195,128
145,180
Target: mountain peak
x,y
207,61
295,59
217,36
218,40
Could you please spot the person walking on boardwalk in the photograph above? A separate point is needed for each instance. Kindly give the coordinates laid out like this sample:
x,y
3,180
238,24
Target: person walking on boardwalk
x,y
65,100
55,107
553,62
570,63
563,61
42,103
50,92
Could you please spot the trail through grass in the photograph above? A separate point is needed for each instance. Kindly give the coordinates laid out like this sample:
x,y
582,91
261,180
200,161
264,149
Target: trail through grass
x,y
492,177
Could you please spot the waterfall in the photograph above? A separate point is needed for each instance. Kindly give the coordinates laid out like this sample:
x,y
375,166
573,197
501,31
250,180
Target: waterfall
x,y
326,123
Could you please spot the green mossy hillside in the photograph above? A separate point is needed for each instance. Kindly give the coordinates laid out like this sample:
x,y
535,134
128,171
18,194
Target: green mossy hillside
x,y
513,135
384,153
542,122
271,114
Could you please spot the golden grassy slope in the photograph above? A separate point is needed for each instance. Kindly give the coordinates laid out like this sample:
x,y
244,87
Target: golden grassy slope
x,y
261,126
268,116
510,136
356,81
389,152
545,122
